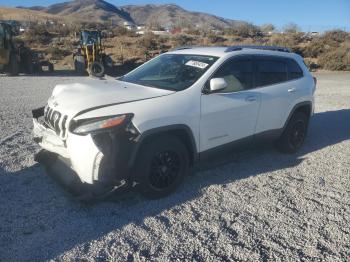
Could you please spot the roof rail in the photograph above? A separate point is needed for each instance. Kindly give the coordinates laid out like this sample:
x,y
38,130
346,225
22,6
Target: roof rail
x,y
188,47
260,47
182,48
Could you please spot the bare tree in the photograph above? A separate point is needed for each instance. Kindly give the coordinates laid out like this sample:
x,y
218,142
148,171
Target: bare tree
x,y
266,28
154,23
291,28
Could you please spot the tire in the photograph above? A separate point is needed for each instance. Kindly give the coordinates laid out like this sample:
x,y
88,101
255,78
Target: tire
x,y
13,67
79,65
162,164
97,69
27,64
293,137
51,68
108,64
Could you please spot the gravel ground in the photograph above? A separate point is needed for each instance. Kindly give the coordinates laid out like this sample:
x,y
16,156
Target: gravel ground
x,y
254,205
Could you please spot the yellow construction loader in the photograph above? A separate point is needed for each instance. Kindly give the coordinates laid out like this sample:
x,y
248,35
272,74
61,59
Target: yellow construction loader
x,y
90,57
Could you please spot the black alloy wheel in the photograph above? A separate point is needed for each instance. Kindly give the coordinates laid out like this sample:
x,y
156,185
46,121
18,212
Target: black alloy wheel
x,y
165,168
161,166
293,137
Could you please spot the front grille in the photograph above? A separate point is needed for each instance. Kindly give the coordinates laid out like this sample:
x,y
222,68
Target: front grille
x,y
56,121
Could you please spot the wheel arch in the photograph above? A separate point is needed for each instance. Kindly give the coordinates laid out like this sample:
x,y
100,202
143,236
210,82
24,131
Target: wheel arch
x,y
305,107
181,131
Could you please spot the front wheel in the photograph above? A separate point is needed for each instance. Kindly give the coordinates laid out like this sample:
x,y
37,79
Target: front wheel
x,y
294,135
97,69
162,165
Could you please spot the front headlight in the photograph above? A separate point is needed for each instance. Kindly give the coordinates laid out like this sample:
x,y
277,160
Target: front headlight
x,y
87,126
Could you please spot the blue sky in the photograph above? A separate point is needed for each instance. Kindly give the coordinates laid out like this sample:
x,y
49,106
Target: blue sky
x,y
310,15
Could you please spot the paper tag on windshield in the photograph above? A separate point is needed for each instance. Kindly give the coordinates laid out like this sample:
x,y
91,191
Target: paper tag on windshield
x,y
197,64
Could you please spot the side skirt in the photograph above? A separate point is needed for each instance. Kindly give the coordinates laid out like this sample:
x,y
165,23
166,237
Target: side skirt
x,y
241,144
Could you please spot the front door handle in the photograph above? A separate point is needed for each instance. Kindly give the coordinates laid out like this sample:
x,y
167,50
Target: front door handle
x,y
291,90
251,99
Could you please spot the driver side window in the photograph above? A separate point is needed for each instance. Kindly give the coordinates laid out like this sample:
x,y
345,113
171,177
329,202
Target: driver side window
x,y
238,74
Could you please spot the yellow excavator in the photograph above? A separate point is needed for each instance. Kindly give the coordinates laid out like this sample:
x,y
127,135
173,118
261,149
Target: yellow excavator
x,y
90,57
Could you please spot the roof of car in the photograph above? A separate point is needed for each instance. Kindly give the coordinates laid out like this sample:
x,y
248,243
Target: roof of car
x,y
229,51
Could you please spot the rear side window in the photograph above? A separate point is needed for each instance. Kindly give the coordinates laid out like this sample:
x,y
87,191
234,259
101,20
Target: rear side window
x,y
294,70
238,74
271,71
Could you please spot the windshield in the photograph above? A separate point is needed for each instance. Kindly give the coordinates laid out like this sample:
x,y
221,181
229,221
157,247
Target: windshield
x,y
171,71
90,37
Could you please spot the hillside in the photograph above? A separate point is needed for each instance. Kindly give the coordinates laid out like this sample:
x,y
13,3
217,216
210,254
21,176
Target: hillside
x,y
168,15
19,14
172,15
92,10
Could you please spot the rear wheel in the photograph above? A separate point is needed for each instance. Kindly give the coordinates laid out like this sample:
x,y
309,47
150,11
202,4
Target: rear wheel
x,y
294,135
51,67
108,64
161,167
27,63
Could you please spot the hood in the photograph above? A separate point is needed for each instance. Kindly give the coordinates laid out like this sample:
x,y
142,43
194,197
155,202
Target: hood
x,y
71,99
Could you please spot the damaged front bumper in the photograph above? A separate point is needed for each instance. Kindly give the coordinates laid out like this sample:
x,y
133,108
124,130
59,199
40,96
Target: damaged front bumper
x,y
100,159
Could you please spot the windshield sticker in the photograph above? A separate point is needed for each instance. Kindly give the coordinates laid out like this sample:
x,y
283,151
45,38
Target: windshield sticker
x,y
197,64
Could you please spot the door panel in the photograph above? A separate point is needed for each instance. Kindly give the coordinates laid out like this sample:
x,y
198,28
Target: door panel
x,y
274,101
227,117
277,92
231,114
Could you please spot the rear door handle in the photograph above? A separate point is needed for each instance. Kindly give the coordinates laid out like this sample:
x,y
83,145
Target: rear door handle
x,y
251,99
292,90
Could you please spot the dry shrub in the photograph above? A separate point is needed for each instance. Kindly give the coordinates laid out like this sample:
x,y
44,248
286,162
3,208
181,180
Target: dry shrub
x,y
216,39
314,48
286,40
335,37
183,40
244,30
338,59
311,64
56,53
148,41
37,34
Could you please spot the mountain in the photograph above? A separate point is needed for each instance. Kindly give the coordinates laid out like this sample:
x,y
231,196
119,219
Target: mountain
x,y
21,14
168,15
171,15
87,10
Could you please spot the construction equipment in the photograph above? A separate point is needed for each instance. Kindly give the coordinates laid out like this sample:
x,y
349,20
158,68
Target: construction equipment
x,y
90,57
9,56
16,58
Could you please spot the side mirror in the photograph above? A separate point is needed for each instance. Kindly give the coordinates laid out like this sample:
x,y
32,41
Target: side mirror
x,y
218,84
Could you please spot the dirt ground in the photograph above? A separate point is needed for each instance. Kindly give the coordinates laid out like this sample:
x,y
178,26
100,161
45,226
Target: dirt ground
x,y
253,205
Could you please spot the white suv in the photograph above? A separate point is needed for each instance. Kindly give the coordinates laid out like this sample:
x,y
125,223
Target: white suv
x,y
147,128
